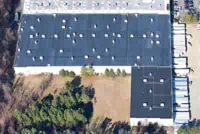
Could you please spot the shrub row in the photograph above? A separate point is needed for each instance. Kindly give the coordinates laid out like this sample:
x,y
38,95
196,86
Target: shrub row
x,y
112,73
66,73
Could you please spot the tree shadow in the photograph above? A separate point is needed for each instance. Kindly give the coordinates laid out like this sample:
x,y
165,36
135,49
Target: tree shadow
x,y
76,81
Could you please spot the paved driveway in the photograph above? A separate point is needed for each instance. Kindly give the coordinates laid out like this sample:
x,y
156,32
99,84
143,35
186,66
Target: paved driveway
x,y
194,62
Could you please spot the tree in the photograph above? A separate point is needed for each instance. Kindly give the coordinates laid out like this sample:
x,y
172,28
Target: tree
x,y
87,71
107,72
72,74
62,73
119,72
83,71
67,110
124,73
112,73
189,130
190,18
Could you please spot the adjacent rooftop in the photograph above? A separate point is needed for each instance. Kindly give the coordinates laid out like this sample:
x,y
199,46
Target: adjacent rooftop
x,y
151,95
95,6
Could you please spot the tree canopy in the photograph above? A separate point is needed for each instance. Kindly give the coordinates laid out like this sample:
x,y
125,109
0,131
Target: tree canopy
x,y
190,18
63,112
87,70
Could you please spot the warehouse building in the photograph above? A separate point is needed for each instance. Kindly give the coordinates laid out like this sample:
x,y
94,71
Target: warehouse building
x,y
134,35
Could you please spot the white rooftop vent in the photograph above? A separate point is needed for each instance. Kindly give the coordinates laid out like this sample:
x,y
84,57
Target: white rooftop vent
x,y
93,35
98,57
114,19
63,27
144,80
151,41
33,58
131,35
150,74
54,15
81,35
64,21
41,57
93,49
75,19
74,34
107,26
152,20
157,42
113,57
68,35
144,104
31,27
150,91
113,41
135,64
28,51
126,21
138,57
114,34
61,51
136,15
18,49
43,36
119,35
106,50
31,36
95,26
150,108
36,34
152,34
86,56
38,19
144,36
22,29
152,58
162,104
48,65
157,35
161,80
106,35
72,58
73,41
55,36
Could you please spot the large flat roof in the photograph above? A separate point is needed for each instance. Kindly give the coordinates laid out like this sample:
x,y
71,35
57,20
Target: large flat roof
x,y
151,95
101,40
95,6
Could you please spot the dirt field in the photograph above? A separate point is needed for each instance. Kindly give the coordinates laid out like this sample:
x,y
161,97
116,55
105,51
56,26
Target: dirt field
x,y
112,95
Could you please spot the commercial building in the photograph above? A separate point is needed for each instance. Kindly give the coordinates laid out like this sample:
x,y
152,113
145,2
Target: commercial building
x,y
132,35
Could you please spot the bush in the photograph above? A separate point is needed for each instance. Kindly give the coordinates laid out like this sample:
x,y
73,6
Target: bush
x,y
189,130
190,18
112,73
62,73
72,74
107,72
124,74
119,72
66,73
87,71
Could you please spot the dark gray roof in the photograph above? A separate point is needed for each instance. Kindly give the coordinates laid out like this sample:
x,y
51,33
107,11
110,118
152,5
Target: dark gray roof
x,y
129,49
155,91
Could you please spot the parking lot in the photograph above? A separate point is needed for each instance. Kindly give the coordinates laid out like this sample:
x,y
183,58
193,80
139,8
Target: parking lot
x,y
194,63
184,6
